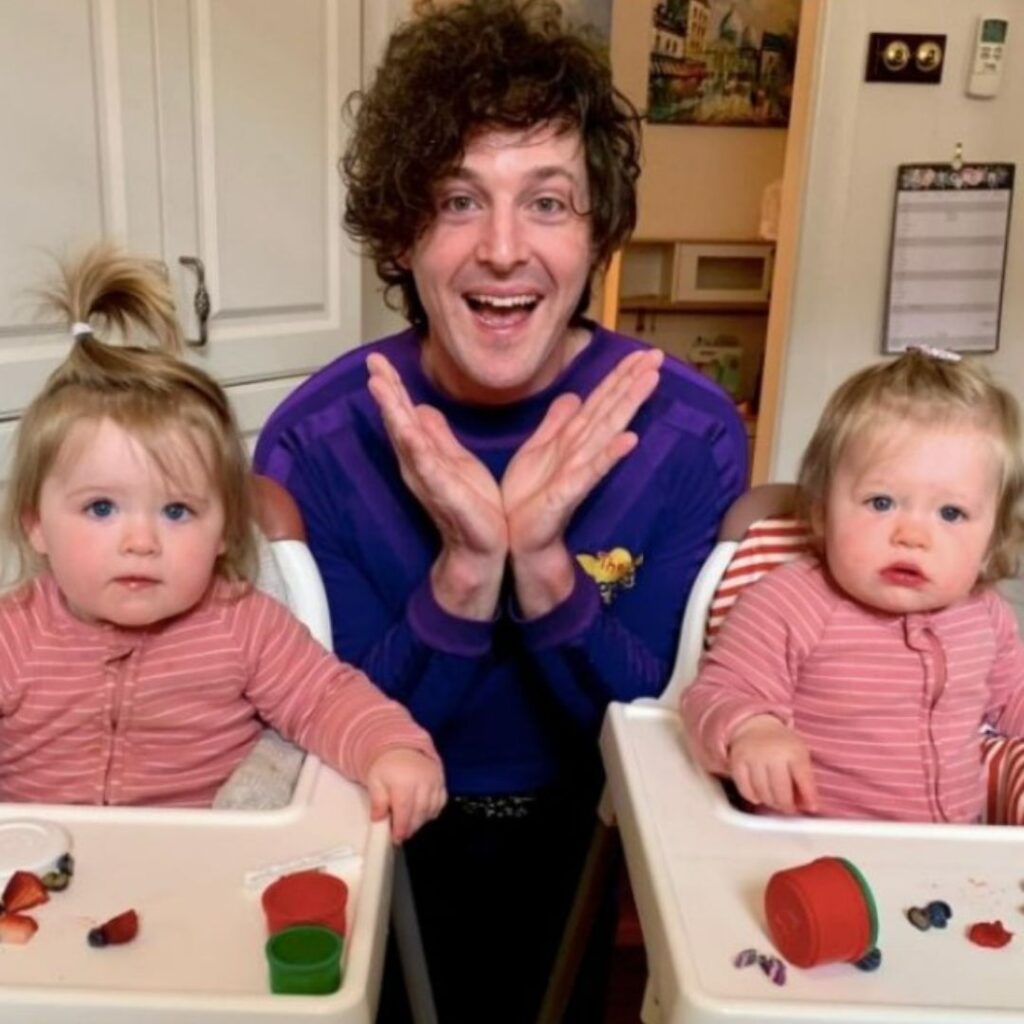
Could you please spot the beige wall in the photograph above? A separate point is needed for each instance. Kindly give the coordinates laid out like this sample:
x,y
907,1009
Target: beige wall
x,y
858,133
698,182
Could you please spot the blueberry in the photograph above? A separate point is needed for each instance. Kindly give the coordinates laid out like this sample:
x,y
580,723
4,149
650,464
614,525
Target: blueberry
x,y
870,961
66,864
938,913
96,937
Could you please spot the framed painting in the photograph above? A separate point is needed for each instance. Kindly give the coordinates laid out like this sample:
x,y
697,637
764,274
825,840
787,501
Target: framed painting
x,y
723,62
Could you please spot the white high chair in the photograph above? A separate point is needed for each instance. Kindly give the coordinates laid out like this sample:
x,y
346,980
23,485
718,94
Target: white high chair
x,y
199,953
698,866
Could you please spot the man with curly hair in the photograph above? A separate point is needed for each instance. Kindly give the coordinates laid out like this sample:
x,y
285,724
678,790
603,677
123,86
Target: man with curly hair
x,y
508,503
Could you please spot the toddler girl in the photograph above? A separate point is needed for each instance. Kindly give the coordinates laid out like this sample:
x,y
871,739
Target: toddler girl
x,y
853,683
136,660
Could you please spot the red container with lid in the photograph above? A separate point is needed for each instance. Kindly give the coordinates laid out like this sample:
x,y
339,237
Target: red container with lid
x,y
306,897
821,912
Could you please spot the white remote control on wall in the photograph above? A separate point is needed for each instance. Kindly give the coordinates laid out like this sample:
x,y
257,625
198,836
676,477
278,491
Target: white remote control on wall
x,y
987,57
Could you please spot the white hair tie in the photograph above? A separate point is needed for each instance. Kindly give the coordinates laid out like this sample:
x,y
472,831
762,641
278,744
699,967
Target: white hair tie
x,y
942,354
78,328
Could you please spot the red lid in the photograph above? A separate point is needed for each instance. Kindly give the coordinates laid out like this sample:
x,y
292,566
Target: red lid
x,y
306,897
819,913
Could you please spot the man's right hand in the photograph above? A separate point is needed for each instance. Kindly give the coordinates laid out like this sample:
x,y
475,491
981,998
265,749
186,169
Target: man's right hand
x,y
771,765
456,490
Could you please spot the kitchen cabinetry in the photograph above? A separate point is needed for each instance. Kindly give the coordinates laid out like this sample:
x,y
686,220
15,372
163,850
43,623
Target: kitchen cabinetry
x,y
705,302
204,129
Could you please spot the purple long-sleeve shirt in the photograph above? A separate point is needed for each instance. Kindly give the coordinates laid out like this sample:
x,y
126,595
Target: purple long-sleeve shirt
x,y
512,705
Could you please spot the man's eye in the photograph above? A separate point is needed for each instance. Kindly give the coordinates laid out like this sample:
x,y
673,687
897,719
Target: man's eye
x,y
177,511
457,204
880,502
952,514
100,508
549,204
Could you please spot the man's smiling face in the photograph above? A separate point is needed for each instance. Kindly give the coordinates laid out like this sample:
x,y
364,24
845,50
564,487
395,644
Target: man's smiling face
x,y
501,267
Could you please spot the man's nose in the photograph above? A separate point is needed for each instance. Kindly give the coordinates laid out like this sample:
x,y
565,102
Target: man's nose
x,y
502,239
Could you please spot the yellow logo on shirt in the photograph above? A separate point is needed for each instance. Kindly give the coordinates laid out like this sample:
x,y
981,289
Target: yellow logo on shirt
x,y
611,570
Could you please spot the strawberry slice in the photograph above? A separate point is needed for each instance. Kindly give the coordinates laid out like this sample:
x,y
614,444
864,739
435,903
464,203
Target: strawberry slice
x,y
117,930
17,928
24,890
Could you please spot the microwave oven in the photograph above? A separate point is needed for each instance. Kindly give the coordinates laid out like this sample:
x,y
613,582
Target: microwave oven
x,y
732,272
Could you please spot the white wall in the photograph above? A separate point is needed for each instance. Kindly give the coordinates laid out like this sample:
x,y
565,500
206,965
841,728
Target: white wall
x,y
859,132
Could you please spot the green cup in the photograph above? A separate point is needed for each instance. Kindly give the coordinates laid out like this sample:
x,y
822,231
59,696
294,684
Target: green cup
x,y
305,960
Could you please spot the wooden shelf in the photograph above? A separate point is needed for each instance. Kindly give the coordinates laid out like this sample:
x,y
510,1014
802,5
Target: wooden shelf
x,y
659,304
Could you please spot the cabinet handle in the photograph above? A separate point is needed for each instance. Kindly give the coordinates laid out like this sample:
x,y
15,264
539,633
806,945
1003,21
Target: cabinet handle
x,y
200,301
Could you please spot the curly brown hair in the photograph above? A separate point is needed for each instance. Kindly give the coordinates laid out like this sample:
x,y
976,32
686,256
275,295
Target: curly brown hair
x,y
467,66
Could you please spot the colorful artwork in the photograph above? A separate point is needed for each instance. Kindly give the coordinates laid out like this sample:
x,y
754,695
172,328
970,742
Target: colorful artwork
x,y
723,62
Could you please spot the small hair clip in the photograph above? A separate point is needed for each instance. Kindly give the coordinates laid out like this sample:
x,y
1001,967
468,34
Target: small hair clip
x,y
942,354
78,328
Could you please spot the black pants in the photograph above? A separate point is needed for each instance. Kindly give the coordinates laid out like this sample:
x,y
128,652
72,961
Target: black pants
x,y
492,896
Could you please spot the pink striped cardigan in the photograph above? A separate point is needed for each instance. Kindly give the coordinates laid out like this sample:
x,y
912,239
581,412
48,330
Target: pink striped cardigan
x,y
889,705
100,715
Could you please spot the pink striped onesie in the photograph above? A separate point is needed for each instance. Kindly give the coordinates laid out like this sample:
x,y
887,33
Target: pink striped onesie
x,y
889,705
95,714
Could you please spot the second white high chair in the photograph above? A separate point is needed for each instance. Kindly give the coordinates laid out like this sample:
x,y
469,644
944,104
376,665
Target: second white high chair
x,y
698,867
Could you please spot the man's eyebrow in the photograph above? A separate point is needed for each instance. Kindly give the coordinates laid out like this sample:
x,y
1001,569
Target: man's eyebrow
x,y
536,173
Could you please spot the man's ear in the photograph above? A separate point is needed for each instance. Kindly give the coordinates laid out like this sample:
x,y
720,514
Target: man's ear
x,y
33,530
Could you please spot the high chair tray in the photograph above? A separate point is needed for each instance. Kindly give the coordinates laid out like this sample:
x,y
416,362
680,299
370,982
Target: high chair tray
x,y
199,952
698,869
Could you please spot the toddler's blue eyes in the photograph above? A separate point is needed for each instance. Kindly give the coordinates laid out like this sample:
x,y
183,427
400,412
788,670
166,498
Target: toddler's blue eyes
x,y
952,514
100,508
177,511
880,503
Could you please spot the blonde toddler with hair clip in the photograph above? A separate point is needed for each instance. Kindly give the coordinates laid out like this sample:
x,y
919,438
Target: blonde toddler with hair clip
x,y
854,682
137,661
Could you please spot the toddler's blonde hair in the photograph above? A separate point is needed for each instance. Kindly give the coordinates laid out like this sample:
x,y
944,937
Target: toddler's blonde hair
x,y
929,391
146,389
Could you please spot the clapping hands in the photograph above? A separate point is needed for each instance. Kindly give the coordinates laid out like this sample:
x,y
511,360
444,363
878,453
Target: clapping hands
x,y
522,520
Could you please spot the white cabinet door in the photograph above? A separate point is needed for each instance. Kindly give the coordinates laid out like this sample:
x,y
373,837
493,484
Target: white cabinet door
x,y
200,128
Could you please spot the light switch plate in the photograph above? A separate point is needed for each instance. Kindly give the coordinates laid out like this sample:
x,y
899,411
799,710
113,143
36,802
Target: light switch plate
x,y
908,57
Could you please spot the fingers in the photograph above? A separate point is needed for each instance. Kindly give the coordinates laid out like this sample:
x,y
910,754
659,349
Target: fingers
x,y
614,402
380,799
806,790
387,388
413,807
559,413
764,784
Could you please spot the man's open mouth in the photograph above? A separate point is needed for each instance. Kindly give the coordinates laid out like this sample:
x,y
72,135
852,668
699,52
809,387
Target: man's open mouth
x,y
502,308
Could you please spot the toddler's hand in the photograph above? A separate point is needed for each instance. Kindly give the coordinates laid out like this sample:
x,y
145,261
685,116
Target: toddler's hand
x,y
770,765
408,784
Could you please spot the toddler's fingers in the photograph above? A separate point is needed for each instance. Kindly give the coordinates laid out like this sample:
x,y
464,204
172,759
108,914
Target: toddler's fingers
x,y
744,783
403,806
440,799
379,799
780,781
807,791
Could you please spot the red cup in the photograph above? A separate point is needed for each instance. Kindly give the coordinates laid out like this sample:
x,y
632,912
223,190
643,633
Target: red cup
x,y
306,897
821,912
